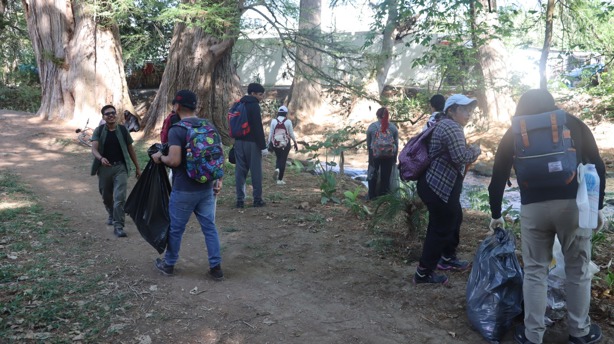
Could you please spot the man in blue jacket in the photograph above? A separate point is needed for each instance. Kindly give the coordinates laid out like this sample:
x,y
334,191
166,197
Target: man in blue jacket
x,y
250,149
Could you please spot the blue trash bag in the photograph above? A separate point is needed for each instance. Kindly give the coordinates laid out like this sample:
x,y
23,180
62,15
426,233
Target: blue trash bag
x,y
494,288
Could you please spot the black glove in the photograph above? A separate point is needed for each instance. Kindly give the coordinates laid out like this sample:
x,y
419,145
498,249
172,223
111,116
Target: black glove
x,y
295,147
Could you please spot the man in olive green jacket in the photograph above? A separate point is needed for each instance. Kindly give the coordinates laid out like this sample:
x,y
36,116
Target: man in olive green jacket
x,y
111,147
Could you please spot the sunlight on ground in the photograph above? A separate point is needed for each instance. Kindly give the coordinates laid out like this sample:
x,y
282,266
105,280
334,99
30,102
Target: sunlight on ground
x,y
15,205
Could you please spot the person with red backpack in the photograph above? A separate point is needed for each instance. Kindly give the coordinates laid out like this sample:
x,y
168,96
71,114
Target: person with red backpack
x,y
279,139
383,145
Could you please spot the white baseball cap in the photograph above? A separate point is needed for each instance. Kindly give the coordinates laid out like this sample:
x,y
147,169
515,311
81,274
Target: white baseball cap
x,y
458,99
282,108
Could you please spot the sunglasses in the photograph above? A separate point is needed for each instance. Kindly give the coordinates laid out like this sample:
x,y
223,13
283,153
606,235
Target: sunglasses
x,y
111,113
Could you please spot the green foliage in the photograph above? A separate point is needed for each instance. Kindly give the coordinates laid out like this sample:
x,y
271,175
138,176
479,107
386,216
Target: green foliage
x,y
332,146
23,98
46,291
145,35
406,200
328,186
17,59
216,18
353,203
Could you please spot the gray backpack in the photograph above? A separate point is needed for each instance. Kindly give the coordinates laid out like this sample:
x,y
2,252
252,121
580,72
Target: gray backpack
x,y
544,154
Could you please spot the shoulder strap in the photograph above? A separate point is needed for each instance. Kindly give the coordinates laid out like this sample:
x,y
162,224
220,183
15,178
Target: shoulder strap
x,y
124,131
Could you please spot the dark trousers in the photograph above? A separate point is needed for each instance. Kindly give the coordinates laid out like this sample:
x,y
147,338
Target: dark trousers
x,y
281,155
383,170
443,231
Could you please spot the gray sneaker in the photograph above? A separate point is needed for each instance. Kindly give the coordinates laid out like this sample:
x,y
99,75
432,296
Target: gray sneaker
x,y
119,232
165,269
594,336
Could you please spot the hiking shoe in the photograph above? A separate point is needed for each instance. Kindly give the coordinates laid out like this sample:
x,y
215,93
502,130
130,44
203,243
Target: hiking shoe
x,y
165,269
420,278
520,337
240,205
281,182
259,203
119,232
452,264
276,174
593,336
110,220
216,273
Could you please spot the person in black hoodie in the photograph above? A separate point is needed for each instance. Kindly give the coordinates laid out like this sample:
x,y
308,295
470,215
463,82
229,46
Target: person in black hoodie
x,y
250,148
546,212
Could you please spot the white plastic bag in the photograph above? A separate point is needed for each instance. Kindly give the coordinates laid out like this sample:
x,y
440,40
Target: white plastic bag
x,y
556,306
587,197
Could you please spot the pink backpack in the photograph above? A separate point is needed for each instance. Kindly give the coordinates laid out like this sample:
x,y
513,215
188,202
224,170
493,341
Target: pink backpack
x,y
414,158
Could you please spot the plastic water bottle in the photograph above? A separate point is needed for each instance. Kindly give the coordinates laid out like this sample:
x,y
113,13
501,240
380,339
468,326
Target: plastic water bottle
x,y
588,211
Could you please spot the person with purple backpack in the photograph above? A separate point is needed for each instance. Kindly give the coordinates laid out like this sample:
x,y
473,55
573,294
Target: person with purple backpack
x,y
440,188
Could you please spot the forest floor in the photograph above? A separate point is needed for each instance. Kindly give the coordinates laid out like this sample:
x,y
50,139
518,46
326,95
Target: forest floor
x,y
295,271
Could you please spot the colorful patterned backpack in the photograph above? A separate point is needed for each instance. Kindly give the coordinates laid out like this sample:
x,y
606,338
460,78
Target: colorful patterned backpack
x,y
383,145
204,157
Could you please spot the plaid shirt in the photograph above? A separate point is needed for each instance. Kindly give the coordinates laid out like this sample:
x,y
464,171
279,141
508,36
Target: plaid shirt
x,y
452,154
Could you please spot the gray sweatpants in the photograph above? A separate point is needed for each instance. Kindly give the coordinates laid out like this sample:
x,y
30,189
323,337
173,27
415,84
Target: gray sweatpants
x,y
249,158
539,223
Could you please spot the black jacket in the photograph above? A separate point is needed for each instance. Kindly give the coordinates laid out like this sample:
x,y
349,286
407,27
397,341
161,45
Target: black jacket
x,y
254,118
586,150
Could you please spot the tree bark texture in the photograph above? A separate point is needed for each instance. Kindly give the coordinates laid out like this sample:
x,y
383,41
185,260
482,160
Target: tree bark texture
x,y
201,63
543,61
306,91
388,39
79,61
495,94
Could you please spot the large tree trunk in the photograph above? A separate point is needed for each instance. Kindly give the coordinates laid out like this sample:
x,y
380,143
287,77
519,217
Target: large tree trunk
x,y
388,39
543,61
199,62
79,61
494,95
306,92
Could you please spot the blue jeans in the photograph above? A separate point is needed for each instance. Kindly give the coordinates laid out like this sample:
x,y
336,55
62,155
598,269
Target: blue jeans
x,y
181,206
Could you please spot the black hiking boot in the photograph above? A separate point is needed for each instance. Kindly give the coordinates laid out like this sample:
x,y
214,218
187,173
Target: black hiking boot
x,y
165,269
216,273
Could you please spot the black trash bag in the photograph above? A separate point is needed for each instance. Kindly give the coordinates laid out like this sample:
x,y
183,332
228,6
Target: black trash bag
x,y
494,288
232,158
147,204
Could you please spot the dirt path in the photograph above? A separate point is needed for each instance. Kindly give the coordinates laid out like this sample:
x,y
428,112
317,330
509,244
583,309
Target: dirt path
x,y
294,274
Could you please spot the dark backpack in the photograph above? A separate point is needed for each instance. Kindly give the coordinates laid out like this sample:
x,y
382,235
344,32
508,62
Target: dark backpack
x,y
414,158
280,135
238,124
131,122
544,154
204,156
383,144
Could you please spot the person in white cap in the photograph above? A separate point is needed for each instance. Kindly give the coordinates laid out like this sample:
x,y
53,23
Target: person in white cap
x,y
440,188
279,139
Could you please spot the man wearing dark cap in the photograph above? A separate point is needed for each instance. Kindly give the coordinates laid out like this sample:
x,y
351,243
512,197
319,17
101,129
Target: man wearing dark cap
x,y
250,149
111,148
188,196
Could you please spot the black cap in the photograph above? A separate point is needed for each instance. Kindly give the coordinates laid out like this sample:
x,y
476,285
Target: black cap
x,y
185,98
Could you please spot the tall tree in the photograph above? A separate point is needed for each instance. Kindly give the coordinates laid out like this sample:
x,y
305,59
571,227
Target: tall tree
x,y
199,60
306,94
79,59
543,61
494,93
